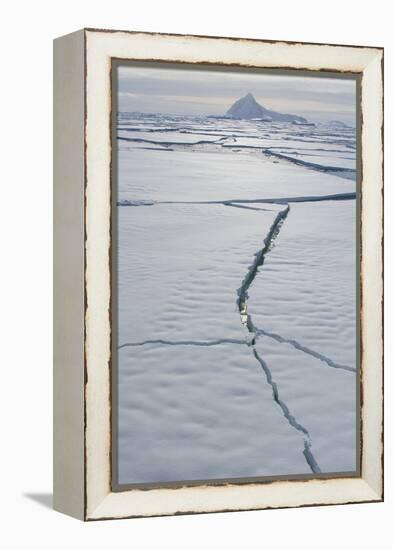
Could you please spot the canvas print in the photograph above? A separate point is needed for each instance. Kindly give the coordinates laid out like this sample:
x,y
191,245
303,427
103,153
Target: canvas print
x,y
234,274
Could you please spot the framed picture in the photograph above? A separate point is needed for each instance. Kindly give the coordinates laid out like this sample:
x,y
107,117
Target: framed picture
x,y
218,274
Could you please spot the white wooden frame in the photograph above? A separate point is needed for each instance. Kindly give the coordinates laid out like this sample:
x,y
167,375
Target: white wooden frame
x,y
82,434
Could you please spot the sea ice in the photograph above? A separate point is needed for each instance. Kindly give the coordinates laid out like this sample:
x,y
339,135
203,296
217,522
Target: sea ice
x,y
209,388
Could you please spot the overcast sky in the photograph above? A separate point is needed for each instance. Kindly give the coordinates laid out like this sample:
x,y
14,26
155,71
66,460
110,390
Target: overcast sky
x,y
207,92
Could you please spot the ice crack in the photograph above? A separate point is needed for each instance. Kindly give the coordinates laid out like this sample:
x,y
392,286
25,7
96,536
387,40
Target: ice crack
x,y
206,343
247,322
289,416
233,202
347,173
253,270
304,349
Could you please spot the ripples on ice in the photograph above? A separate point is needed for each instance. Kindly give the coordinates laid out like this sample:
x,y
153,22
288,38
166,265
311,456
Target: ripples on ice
x,y
194,403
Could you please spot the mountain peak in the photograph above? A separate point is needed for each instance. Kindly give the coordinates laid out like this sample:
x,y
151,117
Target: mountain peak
x,y
249,98
247,107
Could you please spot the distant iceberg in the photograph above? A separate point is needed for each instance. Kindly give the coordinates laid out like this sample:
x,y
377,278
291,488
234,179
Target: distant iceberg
x,y
297,123
338,124
247,107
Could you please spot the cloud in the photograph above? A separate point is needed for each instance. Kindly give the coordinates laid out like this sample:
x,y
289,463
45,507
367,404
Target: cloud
x,y
186,90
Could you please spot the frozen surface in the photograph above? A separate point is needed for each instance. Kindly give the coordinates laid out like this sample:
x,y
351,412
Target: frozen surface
x,y
217,175
195,412
236,298
306,290
322,399
178,282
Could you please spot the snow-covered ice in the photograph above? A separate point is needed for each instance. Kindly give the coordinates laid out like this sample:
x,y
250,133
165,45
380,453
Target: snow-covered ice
x,y
306,290
321,399
179,268
236,299
193,412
